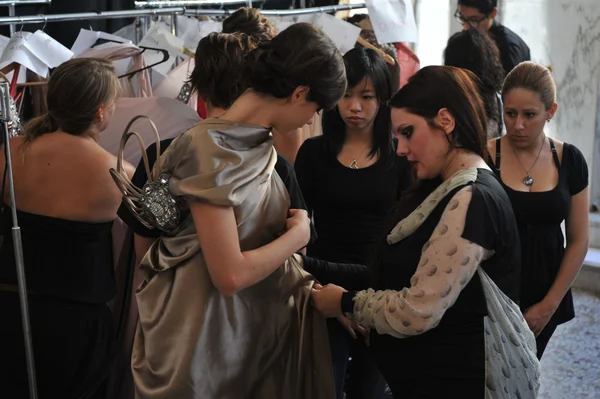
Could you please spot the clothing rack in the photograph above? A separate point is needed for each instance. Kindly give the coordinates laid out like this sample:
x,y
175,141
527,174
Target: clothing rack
x,y
191,3
37,19
281,13
11,4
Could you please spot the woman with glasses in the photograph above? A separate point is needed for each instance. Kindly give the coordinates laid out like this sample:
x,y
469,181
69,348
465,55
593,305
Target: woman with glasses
x,y
481,14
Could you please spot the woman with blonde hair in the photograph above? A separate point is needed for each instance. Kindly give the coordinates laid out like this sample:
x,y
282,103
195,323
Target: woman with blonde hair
x,y
547,183
66,205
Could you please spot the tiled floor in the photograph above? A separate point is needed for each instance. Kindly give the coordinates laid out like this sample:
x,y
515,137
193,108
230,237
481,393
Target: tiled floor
x,y
571,363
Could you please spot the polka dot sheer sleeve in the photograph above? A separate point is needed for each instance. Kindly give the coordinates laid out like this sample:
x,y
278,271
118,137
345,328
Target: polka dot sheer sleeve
x,y
447,264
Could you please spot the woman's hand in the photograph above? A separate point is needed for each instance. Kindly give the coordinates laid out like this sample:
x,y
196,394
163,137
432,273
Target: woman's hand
x,y
538,315
299,224
353,328
328,299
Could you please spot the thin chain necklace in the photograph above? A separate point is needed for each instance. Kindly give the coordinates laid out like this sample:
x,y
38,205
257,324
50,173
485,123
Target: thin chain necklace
x,y
528,180
354,163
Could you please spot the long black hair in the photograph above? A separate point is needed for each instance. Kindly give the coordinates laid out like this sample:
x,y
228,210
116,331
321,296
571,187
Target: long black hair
x,y
476,51
360,63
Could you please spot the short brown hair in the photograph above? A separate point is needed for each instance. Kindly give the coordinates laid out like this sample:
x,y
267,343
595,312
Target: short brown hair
x,y
219,60
533,77
251,22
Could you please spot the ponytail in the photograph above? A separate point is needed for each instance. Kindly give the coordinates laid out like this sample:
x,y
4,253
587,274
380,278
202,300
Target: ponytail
x,y
38,127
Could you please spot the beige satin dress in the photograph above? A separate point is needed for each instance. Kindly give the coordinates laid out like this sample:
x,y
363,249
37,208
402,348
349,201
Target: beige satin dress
x,y
191,341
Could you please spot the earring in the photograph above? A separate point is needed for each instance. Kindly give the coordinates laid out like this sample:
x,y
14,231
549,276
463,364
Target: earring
x,y
548,120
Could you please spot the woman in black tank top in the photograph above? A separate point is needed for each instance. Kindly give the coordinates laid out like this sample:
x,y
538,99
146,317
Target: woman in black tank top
x,y
546,182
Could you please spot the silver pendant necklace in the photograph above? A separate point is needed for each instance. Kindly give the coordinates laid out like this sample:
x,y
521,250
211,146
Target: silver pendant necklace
x,y
354,163
528,180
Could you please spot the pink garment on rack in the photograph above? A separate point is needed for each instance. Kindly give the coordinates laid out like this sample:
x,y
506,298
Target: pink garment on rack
x,y
170,116
171,86
409,62
114,52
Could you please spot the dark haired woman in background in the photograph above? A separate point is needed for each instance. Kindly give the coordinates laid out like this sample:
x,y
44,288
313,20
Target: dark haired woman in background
x,y
224,311
475,51
350,179
447,272
66,205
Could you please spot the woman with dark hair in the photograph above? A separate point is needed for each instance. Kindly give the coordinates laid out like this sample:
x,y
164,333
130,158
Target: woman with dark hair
x,y
350,178
446,274
224,309
251,22
475,51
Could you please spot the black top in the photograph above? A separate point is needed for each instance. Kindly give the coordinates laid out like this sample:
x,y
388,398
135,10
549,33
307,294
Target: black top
x,y
349,206
539,216
62,258
513,49
283,167
421,362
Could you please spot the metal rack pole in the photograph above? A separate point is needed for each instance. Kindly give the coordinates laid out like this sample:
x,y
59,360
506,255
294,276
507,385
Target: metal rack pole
x,y
84,16
280,13
11,4
190,3
35,19
5,116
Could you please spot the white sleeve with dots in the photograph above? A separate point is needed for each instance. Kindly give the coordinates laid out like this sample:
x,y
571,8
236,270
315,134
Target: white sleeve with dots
x,y
447,264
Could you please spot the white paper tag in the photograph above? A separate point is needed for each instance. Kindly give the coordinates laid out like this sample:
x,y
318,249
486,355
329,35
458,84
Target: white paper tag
x,y
158,38
16,51
204,29
48,50
393,20
342,33
87,39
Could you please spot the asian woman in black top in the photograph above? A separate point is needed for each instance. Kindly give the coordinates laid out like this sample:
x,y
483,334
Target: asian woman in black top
x,y
350,178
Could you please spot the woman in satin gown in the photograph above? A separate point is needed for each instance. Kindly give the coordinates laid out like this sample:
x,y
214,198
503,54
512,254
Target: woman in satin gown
x,y
224,310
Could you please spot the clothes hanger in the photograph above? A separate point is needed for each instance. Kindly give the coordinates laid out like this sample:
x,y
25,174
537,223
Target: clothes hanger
x,y
389,59
13,66
129,74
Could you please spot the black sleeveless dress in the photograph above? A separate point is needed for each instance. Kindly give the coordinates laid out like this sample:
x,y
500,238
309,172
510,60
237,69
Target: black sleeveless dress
x,y
70,278
539,216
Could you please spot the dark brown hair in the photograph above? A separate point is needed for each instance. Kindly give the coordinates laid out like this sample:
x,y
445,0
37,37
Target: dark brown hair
x,y
429,90
76,90
301,55
533,77
219,59
251,22
437,87
475,51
